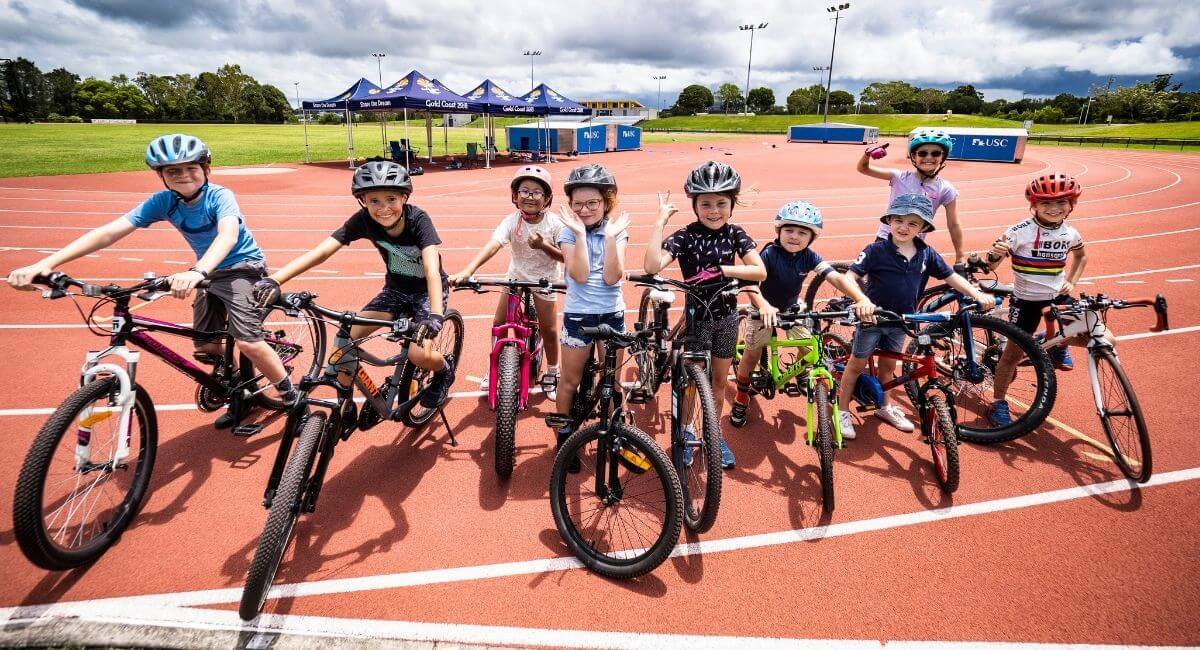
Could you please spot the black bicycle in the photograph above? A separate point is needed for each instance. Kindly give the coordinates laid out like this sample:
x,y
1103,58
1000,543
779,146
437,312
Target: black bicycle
x,y
311,435
622,514
87,472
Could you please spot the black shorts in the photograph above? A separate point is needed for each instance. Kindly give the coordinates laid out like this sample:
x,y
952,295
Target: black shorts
x,y
1027,314
719,336
405,305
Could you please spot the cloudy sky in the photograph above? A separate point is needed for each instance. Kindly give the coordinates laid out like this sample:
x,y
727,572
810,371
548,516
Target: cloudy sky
x,y
612,49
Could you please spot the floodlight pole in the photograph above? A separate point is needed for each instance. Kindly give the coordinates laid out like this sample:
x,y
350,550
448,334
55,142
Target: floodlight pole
x,y
303,120
531,54
659,78
382,125
837,16
750,28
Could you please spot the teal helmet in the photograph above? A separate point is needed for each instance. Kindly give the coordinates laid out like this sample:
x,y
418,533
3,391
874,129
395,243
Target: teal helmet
x,y
911,203
176,149
800,213
930,136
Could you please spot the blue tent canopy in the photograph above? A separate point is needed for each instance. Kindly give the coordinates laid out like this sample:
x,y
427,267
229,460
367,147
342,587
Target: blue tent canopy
x,y
498,102
549,102
361,89
417,92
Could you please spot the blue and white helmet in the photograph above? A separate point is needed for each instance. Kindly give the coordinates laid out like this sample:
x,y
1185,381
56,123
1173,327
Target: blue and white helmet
x,y
912,203
800,213
930,136
176,149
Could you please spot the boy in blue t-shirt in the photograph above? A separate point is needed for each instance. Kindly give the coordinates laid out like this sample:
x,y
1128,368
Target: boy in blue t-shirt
x,y
897,269
788,259
209,218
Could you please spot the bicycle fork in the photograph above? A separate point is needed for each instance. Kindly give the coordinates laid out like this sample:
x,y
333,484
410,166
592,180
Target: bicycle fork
x,y
123,405
824,376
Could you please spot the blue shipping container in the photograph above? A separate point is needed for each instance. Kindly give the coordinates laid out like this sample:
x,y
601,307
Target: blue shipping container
x,y
529,138
590,139
628,138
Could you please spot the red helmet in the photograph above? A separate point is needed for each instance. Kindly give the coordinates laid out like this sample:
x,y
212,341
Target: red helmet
x,y
1051,187
539,174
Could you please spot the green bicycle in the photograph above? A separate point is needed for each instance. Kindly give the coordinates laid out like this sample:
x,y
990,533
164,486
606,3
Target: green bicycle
x,y
799,367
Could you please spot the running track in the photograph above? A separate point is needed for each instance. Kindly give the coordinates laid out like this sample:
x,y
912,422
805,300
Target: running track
x,y
415,539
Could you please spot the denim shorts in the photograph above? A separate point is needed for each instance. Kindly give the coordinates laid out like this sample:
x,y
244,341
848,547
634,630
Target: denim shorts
x,y
869,339
573,337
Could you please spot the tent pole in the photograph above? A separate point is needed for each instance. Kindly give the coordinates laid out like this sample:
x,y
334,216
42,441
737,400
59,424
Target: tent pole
x,y
350,133
304,118
445,136
487,151
429,135
408,148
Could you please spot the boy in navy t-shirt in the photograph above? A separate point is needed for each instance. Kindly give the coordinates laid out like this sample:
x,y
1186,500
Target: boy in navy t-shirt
x,y
788,260
897,269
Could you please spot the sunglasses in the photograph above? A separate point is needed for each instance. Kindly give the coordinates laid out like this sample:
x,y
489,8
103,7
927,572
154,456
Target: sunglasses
x,y
924,153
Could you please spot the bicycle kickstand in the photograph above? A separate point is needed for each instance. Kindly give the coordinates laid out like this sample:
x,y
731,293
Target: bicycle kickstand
x,y
446,423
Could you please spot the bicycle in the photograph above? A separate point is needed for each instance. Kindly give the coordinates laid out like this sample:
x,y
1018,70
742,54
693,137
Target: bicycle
x,y
634,490
76,494
1116,403
803,371
515,360
311,436
934,399
680,354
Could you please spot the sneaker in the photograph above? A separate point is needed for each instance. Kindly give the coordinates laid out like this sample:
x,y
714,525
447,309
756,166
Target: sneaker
x,y
726,455
225,421
1060,356
575,466
847,426
487,380
549,384
998,414
737,414
895,417
439,388
689,436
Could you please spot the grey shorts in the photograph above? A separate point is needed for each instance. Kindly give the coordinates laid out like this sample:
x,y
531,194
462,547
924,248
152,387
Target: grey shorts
x,y
228,303
869,339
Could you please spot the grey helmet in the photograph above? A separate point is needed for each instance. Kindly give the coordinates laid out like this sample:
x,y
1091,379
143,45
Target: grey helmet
x,y
381,175
712,178
593,175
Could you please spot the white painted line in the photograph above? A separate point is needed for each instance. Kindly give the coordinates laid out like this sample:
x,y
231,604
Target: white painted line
x,y
91,255
131,259
547,565
45,252
1150,335
1181,280
174,262
1131,282
1146,272
326,271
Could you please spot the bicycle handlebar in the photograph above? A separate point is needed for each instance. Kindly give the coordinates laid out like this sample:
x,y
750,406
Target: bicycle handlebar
x,y
471,284
620,339
732,285
304,300
1101,303
59,282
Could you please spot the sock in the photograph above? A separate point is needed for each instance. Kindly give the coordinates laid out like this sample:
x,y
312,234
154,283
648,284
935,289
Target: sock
x,y
284,385
743,391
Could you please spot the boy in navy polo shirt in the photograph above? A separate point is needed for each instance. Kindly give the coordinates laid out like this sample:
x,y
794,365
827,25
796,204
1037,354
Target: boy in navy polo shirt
x,y
898,269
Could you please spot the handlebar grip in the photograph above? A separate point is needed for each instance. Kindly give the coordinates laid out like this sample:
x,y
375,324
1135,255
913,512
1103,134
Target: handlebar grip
x,y
1160,311
601,331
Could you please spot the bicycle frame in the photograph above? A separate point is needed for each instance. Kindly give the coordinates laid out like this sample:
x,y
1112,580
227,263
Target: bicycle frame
x,y
524,335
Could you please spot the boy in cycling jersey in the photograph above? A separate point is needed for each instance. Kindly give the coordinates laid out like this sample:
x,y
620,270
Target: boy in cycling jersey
x,y
208,217
1039,247
897,269
928,150
415,285
788,259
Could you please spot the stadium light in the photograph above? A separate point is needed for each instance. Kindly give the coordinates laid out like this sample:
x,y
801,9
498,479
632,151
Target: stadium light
x,y
383,125
751,27
531,54
303,119
659,78
837,16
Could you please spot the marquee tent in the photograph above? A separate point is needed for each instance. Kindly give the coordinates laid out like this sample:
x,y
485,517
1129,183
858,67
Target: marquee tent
x,y
359,90
497,102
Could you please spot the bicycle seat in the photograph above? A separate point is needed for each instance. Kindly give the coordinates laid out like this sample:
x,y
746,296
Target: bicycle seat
x,y
995,287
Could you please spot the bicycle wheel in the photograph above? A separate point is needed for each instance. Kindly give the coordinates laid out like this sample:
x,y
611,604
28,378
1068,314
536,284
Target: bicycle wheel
x,y
66,515
281,519
1031,393
413,379
818,294
824,442
651,361
943,442
508,395
701,479
1122,418
300,344
620,522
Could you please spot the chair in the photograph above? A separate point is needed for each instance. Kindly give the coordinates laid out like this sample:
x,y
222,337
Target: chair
x,y
399,148
473,153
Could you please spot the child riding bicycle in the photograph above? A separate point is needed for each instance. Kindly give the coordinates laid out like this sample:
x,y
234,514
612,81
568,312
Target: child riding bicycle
x,y
208,217
788,259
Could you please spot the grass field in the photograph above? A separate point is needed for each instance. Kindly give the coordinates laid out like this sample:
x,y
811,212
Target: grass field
x,y
49,149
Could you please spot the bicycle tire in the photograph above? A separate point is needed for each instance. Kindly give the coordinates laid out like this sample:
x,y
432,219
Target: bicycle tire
x,y
699,514
652,361
1133,469
820,291
30,528
449,341
629,563
281,519
943,443
301,348
508,389
824,442
973,398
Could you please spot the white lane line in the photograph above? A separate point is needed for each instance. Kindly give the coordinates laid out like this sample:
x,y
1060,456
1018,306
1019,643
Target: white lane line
x,y
174,262
1146,272
547,565
1150,335
1181,280
131,259
326,271
1131,282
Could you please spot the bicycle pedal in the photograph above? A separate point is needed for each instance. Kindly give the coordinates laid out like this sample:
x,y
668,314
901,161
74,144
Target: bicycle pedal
x,y
792,390
557,421
639,396
247,430
368,417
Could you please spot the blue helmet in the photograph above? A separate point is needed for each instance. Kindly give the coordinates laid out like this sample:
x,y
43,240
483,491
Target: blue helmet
x,y
800,213
930,136
176,149
912,203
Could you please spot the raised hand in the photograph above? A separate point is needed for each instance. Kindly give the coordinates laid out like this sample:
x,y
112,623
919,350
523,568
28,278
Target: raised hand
x,y
571,220
666,209
617,225
877,152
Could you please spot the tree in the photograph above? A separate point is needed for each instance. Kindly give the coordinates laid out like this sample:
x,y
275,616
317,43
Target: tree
x,y
60,88
157,89
1139,102
888,96
801,101
692,100
931,99
103,99
179,88
840,101
201,102
760,100
1048,115
228,93
24,90
1067,103
279,109
964,100
730,97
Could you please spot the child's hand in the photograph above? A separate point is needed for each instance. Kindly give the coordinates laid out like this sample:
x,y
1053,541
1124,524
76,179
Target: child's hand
x,y
22,278
616,226
1000,248
769,315
666,209
877,152
536,241
987,302
572,220
458,278
865,311
1067,288
182,283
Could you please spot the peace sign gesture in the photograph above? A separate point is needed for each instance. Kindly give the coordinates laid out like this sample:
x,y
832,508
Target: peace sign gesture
x,y
666,209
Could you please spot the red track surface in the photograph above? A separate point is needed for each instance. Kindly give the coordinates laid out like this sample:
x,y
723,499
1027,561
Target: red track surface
x,y
1116,567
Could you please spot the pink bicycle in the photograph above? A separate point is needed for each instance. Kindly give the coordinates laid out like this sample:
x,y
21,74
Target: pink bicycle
x,y
515,361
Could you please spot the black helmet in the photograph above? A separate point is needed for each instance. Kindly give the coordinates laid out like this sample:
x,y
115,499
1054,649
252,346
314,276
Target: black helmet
x,y
381,175
712,178
596,176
